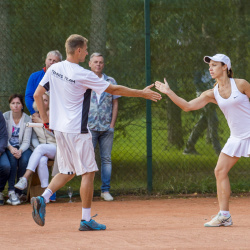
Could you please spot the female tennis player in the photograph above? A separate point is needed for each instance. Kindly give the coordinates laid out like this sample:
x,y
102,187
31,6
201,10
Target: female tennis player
x,y
232,96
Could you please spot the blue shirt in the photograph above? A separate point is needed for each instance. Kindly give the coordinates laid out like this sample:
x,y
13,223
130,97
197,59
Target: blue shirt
x,y
32,84
100,113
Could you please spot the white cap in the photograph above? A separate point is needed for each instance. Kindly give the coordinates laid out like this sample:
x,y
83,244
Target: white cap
x,y
218,58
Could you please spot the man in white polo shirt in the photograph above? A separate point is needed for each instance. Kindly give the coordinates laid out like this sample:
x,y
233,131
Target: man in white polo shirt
x,y
70,87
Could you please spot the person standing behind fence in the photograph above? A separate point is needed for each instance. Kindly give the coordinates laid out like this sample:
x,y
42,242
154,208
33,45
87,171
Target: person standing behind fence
x,y
52,57
18,149
102,117
208,118
4,161
70,88
232,96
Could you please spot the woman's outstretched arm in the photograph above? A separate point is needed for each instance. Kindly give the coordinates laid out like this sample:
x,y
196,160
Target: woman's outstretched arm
x,y
197,103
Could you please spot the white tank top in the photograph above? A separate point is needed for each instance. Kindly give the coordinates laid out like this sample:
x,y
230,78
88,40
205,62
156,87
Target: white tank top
x,y
236,109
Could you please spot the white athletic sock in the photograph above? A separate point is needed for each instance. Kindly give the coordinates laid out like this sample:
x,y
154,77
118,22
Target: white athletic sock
x,y
86,214
46,194
225,213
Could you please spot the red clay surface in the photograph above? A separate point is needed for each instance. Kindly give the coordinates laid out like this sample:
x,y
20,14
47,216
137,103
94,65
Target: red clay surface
x,y
131,224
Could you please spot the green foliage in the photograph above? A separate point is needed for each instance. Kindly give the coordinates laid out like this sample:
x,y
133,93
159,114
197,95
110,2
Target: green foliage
x,y
182,32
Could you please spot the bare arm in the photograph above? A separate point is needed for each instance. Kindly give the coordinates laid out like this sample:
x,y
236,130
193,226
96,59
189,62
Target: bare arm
x,y
38,96
197,103
146,93
114,113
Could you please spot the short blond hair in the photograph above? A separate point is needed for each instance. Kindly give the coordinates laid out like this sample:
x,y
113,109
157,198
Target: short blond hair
x,y
73,42
34,103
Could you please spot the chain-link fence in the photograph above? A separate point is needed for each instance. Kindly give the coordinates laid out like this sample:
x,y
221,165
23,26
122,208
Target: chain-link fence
x,y
184,145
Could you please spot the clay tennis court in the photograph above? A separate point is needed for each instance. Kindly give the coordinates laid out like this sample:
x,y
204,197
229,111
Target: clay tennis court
x,y
175,223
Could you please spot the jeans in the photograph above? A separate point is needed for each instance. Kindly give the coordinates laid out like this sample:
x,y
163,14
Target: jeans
x,y
4,170
18,168
105,140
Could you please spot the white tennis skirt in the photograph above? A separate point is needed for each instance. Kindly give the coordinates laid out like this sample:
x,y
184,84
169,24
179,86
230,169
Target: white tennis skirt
x,y
236,147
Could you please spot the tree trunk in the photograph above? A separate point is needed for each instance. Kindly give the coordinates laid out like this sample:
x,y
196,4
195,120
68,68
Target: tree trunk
x,y
174,125
98,27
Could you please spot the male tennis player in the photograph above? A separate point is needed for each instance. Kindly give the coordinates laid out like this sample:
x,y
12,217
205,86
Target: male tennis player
x,y
70,88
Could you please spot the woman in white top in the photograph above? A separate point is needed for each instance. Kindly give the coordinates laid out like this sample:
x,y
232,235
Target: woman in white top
x,y
18,149
44,149
232,96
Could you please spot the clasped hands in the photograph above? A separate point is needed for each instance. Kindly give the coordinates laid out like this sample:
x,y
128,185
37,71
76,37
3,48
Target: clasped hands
x,y
17,153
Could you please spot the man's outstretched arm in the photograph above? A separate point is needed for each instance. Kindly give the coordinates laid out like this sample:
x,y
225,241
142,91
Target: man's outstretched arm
x,y
146,93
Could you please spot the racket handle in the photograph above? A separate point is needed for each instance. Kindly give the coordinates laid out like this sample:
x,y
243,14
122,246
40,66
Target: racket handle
x,y
34,125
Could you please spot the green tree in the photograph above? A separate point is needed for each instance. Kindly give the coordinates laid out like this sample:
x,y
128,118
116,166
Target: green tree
x,y
6,71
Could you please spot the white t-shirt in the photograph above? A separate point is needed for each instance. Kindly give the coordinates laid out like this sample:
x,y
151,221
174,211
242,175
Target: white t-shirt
x,y
14,139
70,88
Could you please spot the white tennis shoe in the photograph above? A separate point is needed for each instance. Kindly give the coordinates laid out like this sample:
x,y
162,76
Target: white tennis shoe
x,y
107,196
22,183
219,220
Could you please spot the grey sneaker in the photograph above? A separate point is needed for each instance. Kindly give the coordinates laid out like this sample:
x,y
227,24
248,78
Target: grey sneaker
x,y
107,196
13,199
219,220
22,183
1,199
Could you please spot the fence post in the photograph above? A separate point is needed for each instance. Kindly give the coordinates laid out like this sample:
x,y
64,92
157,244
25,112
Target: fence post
x,y
148,105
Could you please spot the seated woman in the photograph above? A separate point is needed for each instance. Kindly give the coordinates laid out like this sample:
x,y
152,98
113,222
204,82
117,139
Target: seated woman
x,y
44,149
18,150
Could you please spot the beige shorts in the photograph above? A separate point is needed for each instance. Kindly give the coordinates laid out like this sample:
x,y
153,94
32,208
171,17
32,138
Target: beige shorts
x,y
75,153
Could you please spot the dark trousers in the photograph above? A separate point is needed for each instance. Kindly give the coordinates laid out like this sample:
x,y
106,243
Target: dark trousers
x,y
4,170
18,168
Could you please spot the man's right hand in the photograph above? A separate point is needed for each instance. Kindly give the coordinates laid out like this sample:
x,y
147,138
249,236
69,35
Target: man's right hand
x,y
151,95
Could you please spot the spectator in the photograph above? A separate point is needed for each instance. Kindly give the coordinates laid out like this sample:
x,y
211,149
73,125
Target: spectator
x,y
45,149
53,56
18,151
4,161
102,117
